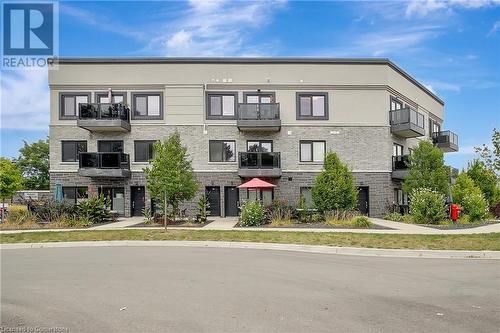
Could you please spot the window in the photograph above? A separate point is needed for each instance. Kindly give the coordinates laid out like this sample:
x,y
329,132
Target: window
x,y
110,146
75,195
312,151
306,193
69,104
221,105
397,149
259,98
143,150
395,104
312,106
260,146
147,105
222,151
434,127
72,149
400,198
117,97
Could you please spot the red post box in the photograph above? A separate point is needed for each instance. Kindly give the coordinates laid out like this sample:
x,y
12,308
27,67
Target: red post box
x,y
454,211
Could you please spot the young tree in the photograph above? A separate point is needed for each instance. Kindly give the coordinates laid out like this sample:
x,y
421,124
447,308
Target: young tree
x,y
486,180
334,187
464,185
33,162
426,169
170,178
491,156
10,181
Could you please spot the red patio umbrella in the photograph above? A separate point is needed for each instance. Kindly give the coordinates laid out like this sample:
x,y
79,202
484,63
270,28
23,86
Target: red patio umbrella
x,y
256,183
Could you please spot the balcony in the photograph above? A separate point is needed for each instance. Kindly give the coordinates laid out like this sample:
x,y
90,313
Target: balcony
x,y
104,165
104,117
447,141
407,123
258,164
259,117
400,167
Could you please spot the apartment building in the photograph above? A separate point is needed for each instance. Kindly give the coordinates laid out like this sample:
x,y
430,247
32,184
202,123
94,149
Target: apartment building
x,y
239,118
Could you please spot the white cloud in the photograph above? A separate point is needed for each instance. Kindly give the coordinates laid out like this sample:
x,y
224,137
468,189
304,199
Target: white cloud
x,y
421,8
216,28
24,99
495,28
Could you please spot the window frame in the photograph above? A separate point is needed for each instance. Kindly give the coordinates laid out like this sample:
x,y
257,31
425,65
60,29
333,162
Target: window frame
x,y
74,189
395,100
397,146
260,145
75,142
135,149
99,94
208,110
99,142
62,116
136,94
312,150
301,188
222,142
260,94
298,95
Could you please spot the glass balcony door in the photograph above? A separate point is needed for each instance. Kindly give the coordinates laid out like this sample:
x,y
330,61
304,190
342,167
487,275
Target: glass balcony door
x,y
261,146
262,98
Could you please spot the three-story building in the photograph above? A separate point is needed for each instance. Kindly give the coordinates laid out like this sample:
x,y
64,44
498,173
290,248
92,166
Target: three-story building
x,y
239,118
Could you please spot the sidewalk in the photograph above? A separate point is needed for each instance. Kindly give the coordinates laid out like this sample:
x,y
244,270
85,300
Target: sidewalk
x,y
229,223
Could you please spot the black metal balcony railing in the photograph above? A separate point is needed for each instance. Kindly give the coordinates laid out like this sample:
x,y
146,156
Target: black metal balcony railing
x,y
445,137
104,111
400,162
259,160
257,111
104,160
407,116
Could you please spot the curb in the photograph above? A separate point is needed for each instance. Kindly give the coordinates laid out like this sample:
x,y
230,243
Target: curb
x,y
395,253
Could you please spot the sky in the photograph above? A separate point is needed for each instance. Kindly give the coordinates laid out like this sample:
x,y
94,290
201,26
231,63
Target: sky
x,y
452,47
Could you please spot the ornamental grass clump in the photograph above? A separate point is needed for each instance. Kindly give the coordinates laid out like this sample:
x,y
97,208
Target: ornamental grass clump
x,y
427,206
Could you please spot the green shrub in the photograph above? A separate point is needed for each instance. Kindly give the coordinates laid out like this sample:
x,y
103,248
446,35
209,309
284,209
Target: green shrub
x,y
334,188
252,214
464,185
427,206
394,216
362,222
94,209
148,215
203,209
48,211
486,180
475,206
302,209
316,218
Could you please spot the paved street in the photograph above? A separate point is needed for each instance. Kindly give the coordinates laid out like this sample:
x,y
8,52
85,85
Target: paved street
x,y
140,289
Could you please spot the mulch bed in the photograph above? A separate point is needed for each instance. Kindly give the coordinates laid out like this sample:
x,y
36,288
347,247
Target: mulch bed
x,y
183,224
317,226
457,226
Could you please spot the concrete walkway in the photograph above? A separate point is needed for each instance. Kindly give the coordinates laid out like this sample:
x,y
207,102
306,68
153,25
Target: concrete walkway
x,y
230,222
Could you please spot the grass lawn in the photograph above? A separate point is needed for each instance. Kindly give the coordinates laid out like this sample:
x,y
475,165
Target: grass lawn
x,y
434,242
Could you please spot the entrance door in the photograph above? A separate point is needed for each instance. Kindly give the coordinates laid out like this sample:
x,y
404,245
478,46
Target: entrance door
x,y
231,197
363,200
213,196
137,196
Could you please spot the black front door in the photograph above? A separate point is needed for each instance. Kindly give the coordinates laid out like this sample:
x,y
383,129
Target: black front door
x,y
231,197
213,196
363,199
137,197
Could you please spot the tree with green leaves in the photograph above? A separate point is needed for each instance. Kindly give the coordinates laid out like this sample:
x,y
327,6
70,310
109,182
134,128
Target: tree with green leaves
x,y
486,180
170,178
491,156
33,162
426,169
334,188
10,181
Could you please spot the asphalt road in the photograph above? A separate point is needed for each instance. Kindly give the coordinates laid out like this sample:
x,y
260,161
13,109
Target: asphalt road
x,y
169,289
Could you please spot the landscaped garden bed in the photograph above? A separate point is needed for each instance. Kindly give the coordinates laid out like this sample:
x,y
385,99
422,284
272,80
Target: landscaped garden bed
x,y
58,215
321,225
170,223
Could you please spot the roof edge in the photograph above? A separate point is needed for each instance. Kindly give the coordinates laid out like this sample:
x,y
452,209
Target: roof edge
x,y
244,60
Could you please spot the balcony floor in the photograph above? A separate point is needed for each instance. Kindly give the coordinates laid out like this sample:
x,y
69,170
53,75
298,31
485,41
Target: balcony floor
x,y
104,173
267,173
104,125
